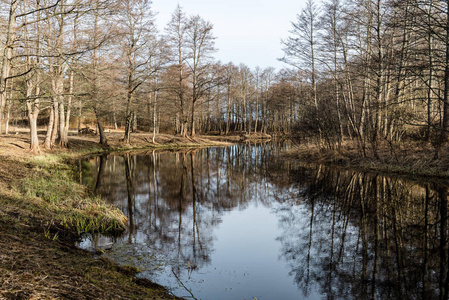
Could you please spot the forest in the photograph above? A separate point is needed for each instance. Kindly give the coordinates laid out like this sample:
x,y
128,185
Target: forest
x,y
369,72
367,76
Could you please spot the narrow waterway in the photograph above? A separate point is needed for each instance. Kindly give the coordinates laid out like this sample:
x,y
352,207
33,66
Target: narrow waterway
x,y
240,222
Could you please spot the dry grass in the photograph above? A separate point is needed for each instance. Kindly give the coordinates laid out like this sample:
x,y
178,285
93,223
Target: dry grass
x,y
42,209
409,158
144,141
33,268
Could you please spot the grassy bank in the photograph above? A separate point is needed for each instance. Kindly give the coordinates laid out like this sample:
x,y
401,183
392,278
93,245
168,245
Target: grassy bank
x,y
408,158
43,209
69,205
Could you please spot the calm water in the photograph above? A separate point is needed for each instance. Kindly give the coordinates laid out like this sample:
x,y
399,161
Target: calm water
x,y
242,223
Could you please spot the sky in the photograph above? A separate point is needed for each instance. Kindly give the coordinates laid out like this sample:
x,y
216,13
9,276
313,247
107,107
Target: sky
x,y
247,31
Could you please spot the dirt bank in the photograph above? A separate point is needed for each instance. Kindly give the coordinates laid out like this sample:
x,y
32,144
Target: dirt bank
x,y
42,211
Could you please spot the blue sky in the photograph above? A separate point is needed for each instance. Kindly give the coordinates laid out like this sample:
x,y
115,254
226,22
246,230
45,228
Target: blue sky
x,y
247,31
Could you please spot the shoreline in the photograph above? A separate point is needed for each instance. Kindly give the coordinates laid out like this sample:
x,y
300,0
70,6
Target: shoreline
x,y
408,159
44,209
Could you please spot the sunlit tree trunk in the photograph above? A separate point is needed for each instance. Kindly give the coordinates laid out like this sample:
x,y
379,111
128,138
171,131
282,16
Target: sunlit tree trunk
x,y
51,120
155,118
229,106
58,78
8,108
7,56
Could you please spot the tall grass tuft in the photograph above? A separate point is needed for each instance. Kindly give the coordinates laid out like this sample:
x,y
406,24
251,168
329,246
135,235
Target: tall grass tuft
x,y
57,196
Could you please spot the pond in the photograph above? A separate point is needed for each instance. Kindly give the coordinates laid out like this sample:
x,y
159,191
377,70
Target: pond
x,y
241,222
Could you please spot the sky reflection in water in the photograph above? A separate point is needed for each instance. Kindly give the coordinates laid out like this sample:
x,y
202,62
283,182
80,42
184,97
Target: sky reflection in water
x,y
241,223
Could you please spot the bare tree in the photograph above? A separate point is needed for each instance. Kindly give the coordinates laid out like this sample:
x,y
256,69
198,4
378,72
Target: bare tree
x,y
8,54
176,35
229,78
301,47
200,43
158,55
137,24
33,78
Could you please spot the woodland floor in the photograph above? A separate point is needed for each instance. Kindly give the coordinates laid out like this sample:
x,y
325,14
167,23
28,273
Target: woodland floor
x,y
34,264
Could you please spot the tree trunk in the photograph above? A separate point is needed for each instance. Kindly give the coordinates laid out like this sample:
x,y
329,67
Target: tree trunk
x,y
79,114
103,139
63,139
155,115
128,126
47,142
32,118
7,56
129,112
444,123
59,90
134,122
33,112
192,121
228,120
8,114
257,105
54,132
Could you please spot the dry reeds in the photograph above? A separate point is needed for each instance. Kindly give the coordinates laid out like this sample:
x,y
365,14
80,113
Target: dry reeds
x,y
405,158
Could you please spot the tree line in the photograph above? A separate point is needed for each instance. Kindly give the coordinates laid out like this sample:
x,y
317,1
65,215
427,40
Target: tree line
x,y
370,71
105,62
374,71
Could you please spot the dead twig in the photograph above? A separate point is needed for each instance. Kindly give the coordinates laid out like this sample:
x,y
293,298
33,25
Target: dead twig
x,y
179,280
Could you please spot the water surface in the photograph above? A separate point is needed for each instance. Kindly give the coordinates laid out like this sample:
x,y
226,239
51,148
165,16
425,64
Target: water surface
x,y
239,222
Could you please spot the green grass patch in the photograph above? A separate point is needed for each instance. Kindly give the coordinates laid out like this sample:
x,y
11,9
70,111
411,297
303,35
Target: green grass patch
x,y
62,202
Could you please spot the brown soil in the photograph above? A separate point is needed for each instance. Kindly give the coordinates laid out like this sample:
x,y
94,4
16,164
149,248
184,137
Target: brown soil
x,y
34,267
32,264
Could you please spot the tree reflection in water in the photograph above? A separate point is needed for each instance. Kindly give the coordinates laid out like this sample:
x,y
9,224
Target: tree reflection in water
x,y
342,234
373,237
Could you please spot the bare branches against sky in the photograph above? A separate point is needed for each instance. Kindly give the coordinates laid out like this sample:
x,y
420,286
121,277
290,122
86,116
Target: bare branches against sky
x,y
248,31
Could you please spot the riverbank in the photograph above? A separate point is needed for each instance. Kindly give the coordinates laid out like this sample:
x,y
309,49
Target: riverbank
x,y
89,143
43,209
408,158
42,212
